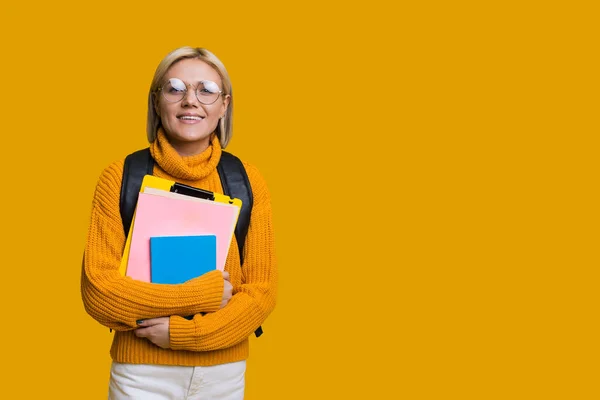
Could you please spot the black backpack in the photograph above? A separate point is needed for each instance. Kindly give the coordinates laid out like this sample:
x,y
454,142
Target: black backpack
x,y
233,179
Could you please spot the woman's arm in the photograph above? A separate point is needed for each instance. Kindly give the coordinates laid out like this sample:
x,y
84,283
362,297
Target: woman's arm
x,y
253,300
117,301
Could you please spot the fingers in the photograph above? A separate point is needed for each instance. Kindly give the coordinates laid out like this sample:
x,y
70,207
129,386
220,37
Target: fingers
x,y
226,275
143,332
150,322
227,292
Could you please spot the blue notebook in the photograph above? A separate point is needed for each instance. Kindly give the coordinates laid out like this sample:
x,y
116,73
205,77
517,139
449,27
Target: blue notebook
x,y
176,259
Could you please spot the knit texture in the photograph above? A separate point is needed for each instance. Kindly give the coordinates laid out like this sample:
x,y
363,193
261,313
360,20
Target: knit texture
x,y
220,335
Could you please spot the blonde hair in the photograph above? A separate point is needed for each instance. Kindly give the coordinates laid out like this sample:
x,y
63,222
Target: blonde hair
x,y
225,126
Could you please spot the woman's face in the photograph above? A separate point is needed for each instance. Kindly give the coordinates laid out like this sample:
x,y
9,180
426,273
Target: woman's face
x,y
188,123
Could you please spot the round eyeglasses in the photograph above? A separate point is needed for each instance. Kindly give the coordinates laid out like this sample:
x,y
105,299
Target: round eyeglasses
x,y
207,92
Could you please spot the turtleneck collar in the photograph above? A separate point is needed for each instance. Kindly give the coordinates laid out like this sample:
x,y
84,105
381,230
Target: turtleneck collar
x,y
189,168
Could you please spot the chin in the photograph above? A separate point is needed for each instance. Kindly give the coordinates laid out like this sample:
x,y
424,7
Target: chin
x,y
192,136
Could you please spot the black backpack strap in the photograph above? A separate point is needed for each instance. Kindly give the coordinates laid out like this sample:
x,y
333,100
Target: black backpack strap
x,y
136,166
236,184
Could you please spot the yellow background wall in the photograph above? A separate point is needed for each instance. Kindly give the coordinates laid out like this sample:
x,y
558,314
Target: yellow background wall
x,y
433,170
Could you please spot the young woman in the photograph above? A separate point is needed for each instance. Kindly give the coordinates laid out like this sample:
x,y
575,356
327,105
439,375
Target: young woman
x,y
156,352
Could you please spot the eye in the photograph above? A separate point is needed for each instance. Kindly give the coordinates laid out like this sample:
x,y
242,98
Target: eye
x,y
176,85
209,87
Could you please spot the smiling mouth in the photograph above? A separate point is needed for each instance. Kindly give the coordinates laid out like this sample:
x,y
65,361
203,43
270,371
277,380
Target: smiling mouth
x,y
190,118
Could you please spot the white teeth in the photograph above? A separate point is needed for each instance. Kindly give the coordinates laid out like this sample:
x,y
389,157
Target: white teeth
x,y
190,117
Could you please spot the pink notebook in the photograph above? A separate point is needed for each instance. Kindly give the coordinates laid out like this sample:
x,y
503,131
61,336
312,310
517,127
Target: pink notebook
x,y
172,216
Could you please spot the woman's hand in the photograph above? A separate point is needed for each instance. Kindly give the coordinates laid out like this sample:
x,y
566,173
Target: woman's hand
x,y
155,330
227,289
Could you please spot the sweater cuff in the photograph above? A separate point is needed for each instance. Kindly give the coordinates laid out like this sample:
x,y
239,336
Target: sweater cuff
x,y
211,288
182,333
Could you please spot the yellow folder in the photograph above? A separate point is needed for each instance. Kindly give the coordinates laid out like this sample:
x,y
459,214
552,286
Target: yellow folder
x,y
151,181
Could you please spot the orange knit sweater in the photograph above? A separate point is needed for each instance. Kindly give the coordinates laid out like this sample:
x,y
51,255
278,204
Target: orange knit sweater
x,y
220,335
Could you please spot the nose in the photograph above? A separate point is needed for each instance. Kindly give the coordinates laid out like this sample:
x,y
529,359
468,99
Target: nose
x,y
189,98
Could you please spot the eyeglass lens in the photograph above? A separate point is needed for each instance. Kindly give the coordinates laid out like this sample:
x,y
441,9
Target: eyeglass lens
x,y
207,92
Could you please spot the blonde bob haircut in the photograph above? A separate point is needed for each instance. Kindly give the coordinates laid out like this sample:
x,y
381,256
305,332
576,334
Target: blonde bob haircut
x,y
225,126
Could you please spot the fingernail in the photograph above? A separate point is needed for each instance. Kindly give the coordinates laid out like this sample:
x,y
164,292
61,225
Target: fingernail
x,y
139,321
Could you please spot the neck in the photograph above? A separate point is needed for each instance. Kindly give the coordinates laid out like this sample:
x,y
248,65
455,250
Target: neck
x,y
184,160
186,149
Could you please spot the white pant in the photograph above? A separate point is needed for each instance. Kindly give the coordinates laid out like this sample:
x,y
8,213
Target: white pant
x,y
149,382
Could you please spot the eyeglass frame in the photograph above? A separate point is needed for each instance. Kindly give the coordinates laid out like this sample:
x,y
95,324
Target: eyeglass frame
x,y
220,92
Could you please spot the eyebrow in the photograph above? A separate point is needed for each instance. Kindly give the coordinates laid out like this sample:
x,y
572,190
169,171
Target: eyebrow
x,y
202,80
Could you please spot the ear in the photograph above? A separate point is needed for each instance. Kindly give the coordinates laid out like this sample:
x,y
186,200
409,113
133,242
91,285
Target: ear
x,y
155,104
225,104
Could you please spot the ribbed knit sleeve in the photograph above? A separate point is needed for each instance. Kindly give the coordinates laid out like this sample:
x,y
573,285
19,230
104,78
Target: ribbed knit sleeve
x,y
253,299
117,301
